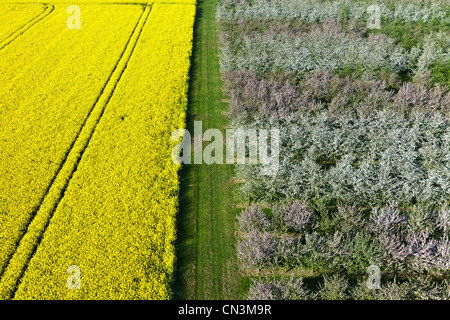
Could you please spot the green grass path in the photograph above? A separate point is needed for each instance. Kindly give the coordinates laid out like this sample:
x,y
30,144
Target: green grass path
x,y
207,265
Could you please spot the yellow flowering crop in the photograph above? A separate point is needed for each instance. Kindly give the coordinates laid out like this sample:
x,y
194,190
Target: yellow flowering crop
x,y
51,78
14,16
116,218
131,2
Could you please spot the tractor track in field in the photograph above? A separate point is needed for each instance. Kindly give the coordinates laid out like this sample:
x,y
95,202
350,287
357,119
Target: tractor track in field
x,y
40,219
48,9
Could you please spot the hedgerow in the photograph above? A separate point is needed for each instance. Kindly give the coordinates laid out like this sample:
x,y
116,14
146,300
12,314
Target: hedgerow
x,y
426,44
318,11
355,161
399,241
339,288
306,53
283,95
408,34
336,51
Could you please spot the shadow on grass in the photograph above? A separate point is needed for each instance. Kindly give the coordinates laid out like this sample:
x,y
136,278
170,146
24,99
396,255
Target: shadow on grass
x,y
186,235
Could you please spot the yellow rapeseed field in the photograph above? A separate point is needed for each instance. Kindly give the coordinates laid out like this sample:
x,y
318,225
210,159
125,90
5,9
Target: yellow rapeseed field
x,y
129,2
15,16
51,78
94,186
